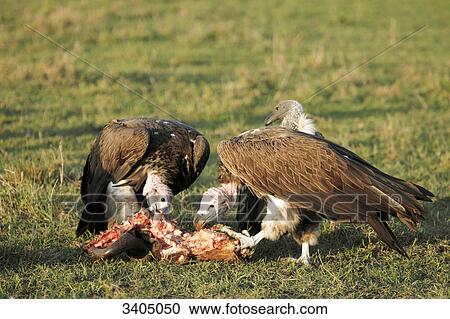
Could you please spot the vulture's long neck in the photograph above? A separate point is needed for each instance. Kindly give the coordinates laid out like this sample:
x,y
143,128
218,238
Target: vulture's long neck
x,y
228,191
154,181
299,121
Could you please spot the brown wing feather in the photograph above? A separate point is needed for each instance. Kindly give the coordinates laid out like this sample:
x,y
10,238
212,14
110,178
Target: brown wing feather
x,y
122,145
309,171
117,148
125,150
200,154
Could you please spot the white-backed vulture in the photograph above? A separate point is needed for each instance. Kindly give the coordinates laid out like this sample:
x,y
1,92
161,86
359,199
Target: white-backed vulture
x,y
136,159
251,209
298,170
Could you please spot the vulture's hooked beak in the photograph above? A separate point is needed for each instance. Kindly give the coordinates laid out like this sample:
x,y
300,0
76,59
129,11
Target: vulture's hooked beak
x,y
206,215
268,120
199,222
272,117
128,243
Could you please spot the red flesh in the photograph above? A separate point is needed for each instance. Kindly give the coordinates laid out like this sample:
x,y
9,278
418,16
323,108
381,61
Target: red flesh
x,y
170,243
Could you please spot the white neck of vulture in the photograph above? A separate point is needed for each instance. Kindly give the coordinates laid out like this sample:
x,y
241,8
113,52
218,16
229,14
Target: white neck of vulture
x,y
298,120
225,195
159,196
216,201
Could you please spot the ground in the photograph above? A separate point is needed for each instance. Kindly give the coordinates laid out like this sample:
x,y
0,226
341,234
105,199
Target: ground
x,y
220,67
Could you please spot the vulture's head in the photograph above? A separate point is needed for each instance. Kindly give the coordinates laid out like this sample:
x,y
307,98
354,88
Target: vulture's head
x,y
282,110
215,203
158,195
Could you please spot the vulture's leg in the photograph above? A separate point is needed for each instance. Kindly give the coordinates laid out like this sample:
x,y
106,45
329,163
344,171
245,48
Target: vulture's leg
x,y
245,240
280,219
304,258
121,202
251,241
306,234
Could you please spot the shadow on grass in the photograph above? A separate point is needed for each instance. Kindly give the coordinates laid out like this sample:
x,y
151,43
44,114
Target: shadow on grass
x,y
246,115
186,77
432,230
67,132
344,237
435,226
343,113
14,257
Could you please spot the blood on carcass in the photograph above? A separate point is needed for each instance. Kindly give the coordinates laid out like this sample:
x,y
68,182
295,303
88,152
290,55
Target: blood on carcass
x,y
169,243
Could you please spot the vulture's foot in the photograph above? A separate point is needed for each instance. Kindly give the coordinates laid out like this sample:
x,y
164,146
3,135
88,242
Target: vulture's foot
x,y
245,240
302,260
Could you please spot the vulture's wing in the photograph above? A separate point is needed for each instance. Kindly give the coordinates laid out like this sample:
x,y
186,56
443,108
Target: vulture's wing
x,y
200,154
418,191
251,209
123,143
319,135
314,173
117,149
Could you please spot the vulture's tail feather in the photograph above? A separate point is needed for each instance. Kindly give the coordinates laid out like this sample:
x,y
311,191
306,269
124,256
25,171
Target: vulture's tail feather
x,y
386,235
425,193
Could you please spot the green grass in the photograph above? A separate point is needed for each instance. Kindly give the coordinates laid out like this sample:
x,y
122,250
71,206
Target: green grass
x,y
220,67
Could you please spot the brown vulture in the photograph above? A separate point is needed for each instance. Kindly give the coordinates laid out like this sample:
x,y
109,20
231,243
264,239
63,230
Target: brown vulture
x,y
251,209
138,161
294,170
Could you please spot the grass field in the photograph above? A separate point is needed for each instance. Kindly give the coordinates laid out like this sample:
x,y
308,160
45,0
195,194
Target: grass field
x,y
220,67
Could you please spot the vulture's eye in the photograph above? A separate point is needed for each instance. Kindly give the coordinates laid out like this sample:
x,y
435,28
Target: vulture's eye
x,y
277,108
163,199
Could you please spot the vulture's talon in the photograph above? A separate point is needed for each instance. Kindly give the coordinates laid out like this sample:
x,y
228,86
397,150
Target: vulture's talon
x,y
246,233
306,262
227,230
245,241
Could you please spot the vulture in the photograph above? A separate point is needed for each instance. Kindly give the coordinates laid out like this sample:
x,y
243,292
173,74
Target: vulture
x,y
292,170
138,162
251,209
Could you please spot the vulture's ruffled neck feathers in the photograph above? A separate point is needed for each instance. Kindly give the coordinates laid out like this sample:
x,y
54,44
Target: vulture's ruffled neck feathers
x,y
297,120
154,182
